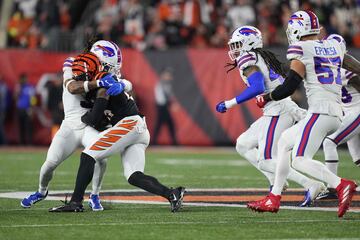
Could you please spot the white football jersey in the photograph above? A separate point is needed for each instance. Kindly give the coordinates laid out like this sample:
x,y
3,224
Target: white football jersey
x,y
350,97
72,109
323,61
272,80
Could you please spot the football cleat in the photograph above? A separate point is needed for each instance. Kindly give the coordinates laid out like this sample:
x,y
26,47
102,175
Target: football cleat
x,y
94,203
68,207
345,191
310,195
328,194
176,198
270,203
32,199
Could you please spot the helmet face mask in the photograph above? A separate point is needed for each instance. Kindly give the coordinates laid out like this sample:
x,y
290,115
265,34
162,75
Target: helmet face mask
x,y
244,39
235,50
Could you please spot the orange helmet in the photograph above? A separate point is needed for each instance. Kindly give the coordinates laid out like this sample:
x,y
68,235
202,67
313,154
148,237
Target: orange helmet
x,y
86,66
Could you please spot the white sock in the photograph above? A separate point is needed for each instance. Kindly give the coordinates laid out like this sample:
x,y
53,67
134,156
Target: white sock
x,y
46,174
331,155
317,170
282,170
332,165
298,178
251,156
99,171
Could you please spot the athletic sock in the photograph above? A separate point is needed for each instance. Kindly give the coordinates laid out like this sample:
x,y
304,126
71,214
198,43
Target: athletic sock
x,y
149,184
282,170
317,170
46,174
331,155
251,156
332,165
99,171
299,178
83,178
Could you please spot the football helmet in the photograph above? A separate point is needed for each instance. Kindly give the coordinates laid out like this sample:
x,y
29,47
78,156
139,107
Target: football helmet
x,y
243,39
302,23
109,55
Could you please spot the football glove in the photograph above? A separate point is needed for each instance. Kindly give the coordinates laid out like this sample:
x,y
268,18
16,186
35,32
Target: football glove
x,y
116,89
220,107
261,101
107,81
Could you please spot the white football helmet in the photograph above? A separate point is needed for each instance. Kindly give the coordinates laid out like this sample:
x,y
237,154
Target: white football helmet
x,y
302,23
243,39
109,55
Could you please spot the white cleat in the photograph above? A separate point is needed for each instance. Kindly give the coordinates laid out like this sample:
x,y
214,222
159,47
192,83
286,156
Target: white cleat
x,y
315,189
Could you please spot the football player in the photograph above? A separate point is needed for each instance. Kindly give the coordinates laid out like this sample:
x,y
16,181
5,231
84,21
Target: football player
x,y
349,130
262,72
128,137
79,73
319,63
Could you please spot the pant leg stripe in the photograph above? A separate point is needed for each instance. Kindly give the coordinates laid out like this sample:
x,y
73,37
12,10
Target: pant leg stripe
x,y
348,130
306,134
270,137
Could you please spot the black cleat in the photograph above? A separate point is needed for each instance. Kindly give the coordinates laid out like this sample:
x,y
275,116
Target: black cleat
x,y
68,207
176,198
328,194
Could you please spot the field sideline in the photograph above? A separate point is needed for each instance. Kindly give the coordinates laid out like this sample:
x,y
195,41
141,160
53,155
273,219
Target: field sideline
x,y
210,174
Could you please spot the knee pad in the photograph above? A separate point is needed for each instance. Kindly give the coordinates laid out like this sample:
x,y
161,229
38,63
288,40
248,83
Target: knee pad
x,y
296,163
329,144
268,165
241,146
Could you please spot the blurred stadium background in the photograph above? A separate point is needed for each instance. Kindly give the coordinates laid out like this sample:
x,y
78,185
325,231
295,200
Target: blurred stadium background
x,y
180,42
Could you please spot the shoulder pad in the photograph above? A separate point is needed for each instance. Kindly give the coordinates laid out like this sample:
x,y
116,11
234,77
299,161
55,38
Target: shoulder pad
x,y
246,60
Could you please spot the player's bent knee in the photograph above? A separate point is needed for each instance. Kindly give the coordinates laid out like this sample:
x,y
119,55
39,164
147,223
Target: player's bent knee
x,y
297,163
241,146
329,144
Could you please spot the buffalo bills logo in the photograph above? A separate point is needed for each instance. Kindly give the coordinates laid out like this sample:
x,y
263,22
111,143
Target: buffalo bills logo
x,y
106,51
296,18
247,31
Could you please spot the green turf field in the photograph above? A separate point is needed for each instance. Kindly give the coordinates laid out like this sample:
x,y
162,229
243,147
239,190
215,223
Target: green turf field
x,y
191,168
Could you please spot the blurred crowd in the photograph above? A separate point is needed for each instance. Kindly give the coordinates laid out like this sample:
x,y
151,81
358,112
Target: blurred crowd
x,y
162,24
27,105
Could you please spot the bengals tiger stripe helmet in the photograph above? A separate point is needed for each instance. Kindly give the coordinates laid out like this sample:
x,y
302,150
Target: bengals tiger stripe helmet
x,y
86,66
109,54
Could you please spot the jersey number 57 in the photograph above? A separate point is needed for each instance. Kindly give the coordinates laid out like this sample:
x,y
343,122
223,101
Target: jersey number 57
x,y
324,69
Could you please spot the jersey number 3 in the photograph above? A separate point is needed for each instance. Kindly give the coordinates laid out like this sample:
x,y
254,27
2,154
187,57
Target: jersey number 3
x,y
324,69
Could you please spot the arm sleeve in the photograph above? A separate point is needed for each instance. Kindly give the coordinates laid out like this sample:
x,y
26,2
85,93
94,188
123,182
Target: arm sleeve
x,y
256,86
95,116
289,86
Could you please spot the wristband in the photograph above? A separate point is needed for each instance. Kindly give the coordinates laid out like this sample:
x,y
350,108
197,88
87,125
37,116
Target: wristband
x,y
98,83
86,86
230,103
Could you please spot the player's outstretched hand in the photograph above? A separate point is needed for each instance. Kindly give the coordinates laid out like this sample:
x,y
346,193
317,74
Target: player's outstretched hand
x,y
220,107
107,81
116,89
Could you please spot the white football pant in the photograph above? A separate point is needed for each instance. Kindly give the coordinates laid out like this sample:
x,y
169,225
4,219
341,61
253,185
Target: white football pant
x,y
129,137
64,143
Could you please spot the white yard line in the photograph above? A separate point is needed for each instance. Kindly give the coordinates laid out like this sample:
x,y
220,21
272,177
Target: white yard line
x,y
274,221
